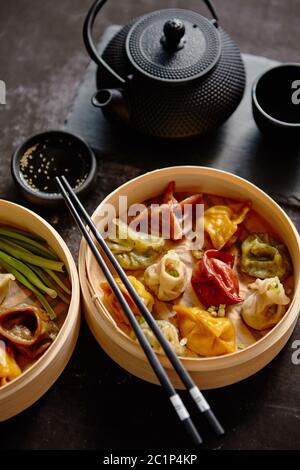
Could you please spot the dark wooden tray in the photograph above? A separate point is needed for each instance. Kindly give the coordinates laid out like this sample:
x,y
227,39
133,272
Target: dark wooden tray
x,y
237,146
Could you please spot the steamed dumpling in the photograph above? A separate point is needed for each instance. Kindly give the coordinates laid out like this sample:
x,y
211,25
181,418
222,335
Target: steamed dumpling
x,y
167,278
133,250
221,223
206,335
171,334
5,279
9,369
111,301
265,306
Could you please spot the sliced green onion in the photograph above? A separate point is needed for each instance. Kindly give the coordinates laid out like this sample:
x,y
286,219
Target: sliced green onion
x,y
58,280
17,231
23,255
38,250
27,239
48,282
28,273
173,273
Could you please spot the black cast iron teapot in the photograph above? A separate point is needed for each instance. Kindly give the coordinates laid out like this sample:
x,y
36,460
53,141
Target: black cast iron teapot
x,y
171,73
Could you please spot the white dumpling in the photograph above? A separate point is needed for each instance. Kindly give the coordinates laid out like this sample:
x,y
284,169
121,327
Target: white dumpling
x,y
167,278
5,279
171,334
265,306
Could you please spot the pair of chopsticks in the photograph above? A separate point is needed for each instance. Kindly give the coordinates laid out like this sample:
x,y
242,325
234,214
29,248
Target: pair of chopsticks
x,y
82,219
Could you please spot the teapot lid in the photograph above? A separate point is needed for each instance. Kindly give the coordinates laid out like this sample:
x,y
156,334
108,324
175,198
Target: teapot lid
x,y
173,45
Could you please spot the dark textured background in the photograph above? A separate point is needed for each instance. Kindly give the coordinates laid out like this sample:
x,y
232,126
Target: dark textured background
x,y
95,404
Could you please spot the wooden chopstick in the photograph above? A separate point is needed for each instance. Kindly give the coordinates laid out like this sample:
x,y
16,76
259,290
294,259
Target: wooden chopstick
x,y
74,204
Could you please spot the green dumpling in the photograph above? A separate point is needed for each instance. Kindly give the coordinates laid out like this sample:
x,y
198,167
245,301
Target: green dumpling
x,y
134,250
264,257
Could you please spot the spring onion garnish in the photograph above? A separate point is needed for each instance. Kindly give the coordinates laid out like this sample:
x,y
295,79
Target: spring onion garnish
x,y
24,255
28,273
33,264
23,280
27,240
58,280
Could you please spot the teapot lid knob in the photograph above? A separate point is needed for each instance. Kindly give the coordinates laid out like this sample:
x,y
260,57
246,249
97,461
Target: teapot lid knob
x,y
173,45
174,31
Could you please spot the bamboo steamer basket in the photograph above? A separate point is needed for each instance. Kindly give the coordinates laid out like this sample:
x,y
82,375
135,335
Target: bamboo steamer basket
x,y
38,378
211,372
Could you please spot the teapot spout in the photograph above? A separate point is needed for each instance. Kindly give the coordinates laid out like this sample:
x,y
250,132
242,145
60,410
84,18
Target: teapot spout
x,y
112,103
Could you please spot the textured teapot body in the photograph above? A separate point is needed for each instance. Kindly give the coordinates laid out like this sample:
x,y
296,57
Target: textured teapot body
x,y
181,110
170,74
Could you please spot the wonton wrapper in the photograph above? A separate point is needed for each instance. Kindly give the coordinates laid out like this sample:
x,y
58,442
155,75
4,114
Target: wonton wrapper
x,y
206,335
221,223
28,328
5,279
171,334
167,216
9,369
160,279
133,250
265,306
113,304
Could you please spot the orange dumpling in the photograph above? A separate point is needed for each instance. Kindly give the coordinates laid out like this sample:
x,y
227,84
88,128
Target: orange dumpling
x,y
113,304
206,335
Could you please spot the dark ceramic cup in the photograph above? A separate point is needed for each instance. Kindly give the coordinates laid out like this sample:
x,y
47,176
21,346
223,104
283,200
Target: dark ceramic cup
x,y
276,101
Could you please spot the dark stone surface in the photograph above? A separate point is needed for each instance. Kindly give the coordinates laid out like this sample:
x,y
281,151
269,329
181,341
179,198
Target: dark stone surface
x,y
95,404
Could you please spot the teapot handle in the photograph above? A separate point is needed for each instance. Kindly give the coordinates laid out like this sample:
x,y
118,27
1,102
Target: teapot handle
x,y
89,42
212,10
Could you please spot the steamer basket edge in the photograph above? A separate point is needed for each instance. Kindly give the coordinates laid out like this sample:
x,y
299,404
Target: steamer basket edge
x,y
34,382
233,369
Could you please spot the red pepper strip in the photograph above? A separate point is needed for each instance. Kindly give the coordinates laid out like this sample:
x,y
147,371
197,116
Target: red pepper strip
x,y
214,280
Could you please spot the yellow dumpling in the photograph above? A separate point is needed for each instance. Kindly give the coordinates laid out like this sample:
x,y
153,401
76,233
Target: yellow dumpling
x,y
206,335
9,369
221,223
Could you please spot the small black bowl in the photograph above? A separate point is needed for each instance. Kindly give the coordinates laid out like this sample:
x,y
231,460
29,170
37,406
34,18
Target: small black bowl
x,y
37,161
276,101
